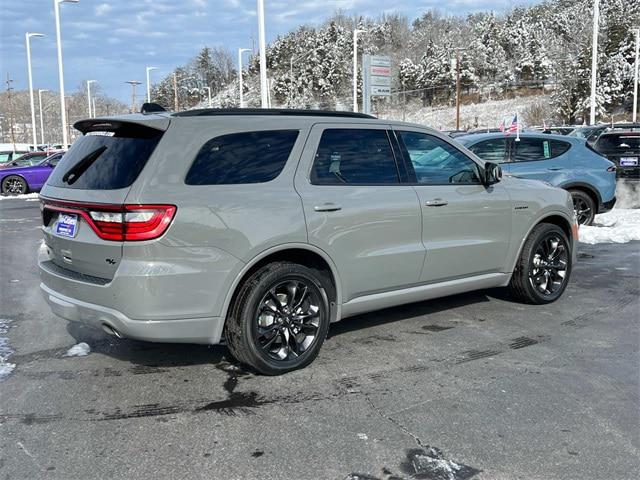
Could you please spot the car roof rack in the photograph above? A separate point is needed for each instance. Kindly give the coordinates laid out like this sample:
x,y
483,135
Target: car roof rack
x,y
206,112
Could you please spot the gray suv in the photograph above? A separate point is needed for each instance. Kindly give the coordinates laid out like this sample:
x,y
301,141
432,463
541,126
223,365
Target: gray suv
x,y
264,226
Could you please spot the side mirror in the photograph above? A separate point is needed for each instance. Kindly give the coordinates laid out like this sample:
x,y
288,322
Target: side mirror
x,y
492,173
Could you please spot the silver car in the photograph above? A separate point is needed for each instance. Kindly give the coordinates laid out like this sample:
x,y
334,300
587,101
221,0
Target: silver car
x,y
264,226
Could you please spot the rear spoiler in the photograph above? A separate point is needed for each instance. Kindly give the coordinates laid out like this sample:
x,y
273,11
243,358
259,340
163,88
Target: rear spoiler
x,y
137,121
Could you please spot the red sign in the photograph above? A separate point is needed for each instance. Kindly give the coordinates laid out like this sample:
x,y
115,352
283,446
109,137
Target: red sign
x,y
380,70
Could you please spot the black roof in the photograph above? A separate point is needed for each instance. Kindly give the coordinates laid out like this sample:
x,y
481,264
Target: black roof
x,y
206,112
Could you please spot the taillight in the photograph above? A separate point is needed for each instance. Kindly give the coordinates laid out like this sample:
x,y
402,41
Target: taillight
x,y
120,222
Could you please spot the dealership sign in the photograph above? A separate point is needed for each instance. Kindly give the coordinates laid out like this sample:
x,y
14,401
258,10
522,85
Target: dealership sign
x,y
376,79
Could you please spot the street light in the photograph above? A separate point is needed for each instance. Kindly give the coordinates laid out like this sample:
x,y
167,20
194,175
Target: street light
x,y
264,97
40,90
134,84
27,36
208,89
355,68
635,84
594,60
240,52
149,83
63,109
89,82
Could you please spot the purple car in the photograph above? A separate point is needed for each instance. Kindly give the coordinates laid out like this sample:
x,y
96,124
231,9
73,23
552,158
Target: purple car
x,y
23,179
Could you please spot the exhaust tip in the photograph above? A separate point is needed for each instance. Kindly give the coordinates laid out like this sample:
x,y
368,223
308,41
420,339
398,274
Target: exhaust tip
x,y
111,331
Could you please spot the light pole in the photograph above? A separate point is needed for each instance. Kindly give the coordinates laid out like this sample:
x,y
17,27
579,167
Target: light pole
x,y
264,97
134,84
594,60
208,89
40,90
89,82
240,87
635,84
27,36
149,83
355,68
63,109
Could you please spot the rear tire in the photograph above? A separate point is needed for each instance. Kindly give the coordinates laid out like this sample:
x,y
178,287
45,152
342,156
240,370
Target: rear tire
x,y
584,206
544,266
14,185
280,318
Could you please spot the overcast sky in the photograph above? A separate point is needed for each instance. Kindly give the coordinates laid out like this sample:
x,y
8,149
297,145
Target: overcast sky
x,y
112,41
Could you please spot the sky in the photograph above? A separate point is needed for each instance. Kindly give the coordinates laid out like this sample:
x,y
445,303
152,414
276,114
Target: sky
x,y
112,41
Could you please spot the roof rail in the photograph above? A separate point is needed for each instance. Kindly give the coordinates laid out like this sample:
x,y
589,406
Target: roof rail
x,y
206,112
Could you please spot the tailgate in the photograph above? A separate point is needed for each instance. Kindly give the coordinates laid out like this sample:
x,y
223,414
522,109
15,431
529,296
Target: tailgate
x,y
83,202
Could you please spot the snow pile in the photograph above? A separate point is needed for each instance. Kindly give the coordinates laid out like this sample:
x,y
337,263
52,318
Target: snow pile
x,y
79,350
486,114
620,225
5,351
20,197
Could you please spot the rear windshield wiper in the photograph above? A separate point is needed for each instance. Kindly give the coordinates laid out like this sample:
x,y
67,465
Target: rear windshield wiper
x,y
79,168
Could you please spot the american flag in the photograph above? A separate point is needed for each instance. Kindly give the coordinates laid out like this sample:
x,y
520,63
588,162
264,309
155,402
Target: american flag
x,y
513,128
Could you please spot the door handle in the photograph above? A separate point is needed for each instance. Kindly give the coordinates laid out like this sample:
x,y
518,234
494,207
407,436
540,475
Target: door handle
x,y
327,207
555,169
436,202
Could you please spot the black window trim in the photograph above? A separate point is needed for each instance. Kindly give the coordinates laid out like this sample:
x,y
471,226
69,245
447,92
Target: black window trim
x,y
209,185
359,126
512,144
412,179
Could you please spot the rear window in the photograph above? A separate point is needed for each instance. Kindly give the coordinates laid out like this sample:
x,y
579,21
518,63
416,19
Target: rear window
x,y
618,143
247,157
106,160
531,149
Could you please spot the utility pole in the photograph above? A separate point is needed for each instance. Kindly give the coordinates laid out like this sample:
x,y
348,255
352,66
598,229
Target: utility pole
x,y
457,89
9,88
175,92
594,60
27,37
264,86
41,114
134,84
635,84
240,86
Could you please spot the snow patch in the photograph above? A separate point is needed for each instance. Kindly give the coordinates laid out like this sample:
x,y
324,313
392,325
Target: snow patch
x,y
79,350
620,225
5,351
20,197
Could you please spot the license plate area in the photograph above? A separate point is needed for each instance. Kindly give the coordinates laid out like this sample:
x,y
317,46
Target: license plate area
x,y
67,225
628,161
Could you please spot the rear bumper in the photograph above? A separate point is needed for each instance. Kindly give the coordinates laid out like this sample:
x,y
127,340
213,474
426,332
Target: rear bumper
x,y
606,206
184,330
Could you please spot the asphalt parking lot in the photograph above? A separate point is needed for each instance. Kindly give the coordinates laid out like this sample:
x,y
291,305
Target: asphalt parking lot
x,y
473,386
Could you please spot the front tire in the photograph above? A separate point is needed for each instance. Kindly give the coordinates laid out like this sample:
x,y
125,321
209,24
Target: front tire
x,y
544,267
280,318
584,206
14,185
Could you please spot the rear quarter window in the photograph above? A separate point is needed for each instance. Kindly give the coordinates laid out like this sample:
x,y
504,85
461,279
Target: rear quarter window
x,y
240,158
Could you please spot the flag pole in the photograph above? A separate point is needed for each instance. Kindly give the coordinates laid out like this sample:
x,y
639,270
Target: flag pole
x,y
517,127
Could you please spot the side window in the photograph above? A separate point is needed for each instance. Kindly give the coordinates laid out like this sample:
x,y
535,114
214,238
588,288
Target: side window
x,y
436,162
247,157
558,147
354,156
493,150
531,149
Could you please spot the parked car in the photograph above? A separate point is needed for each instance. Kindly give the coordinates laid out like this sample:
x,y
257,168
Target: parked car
x,y
267,225
23,179
25,160
590,133
623,149
7,156
562,161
